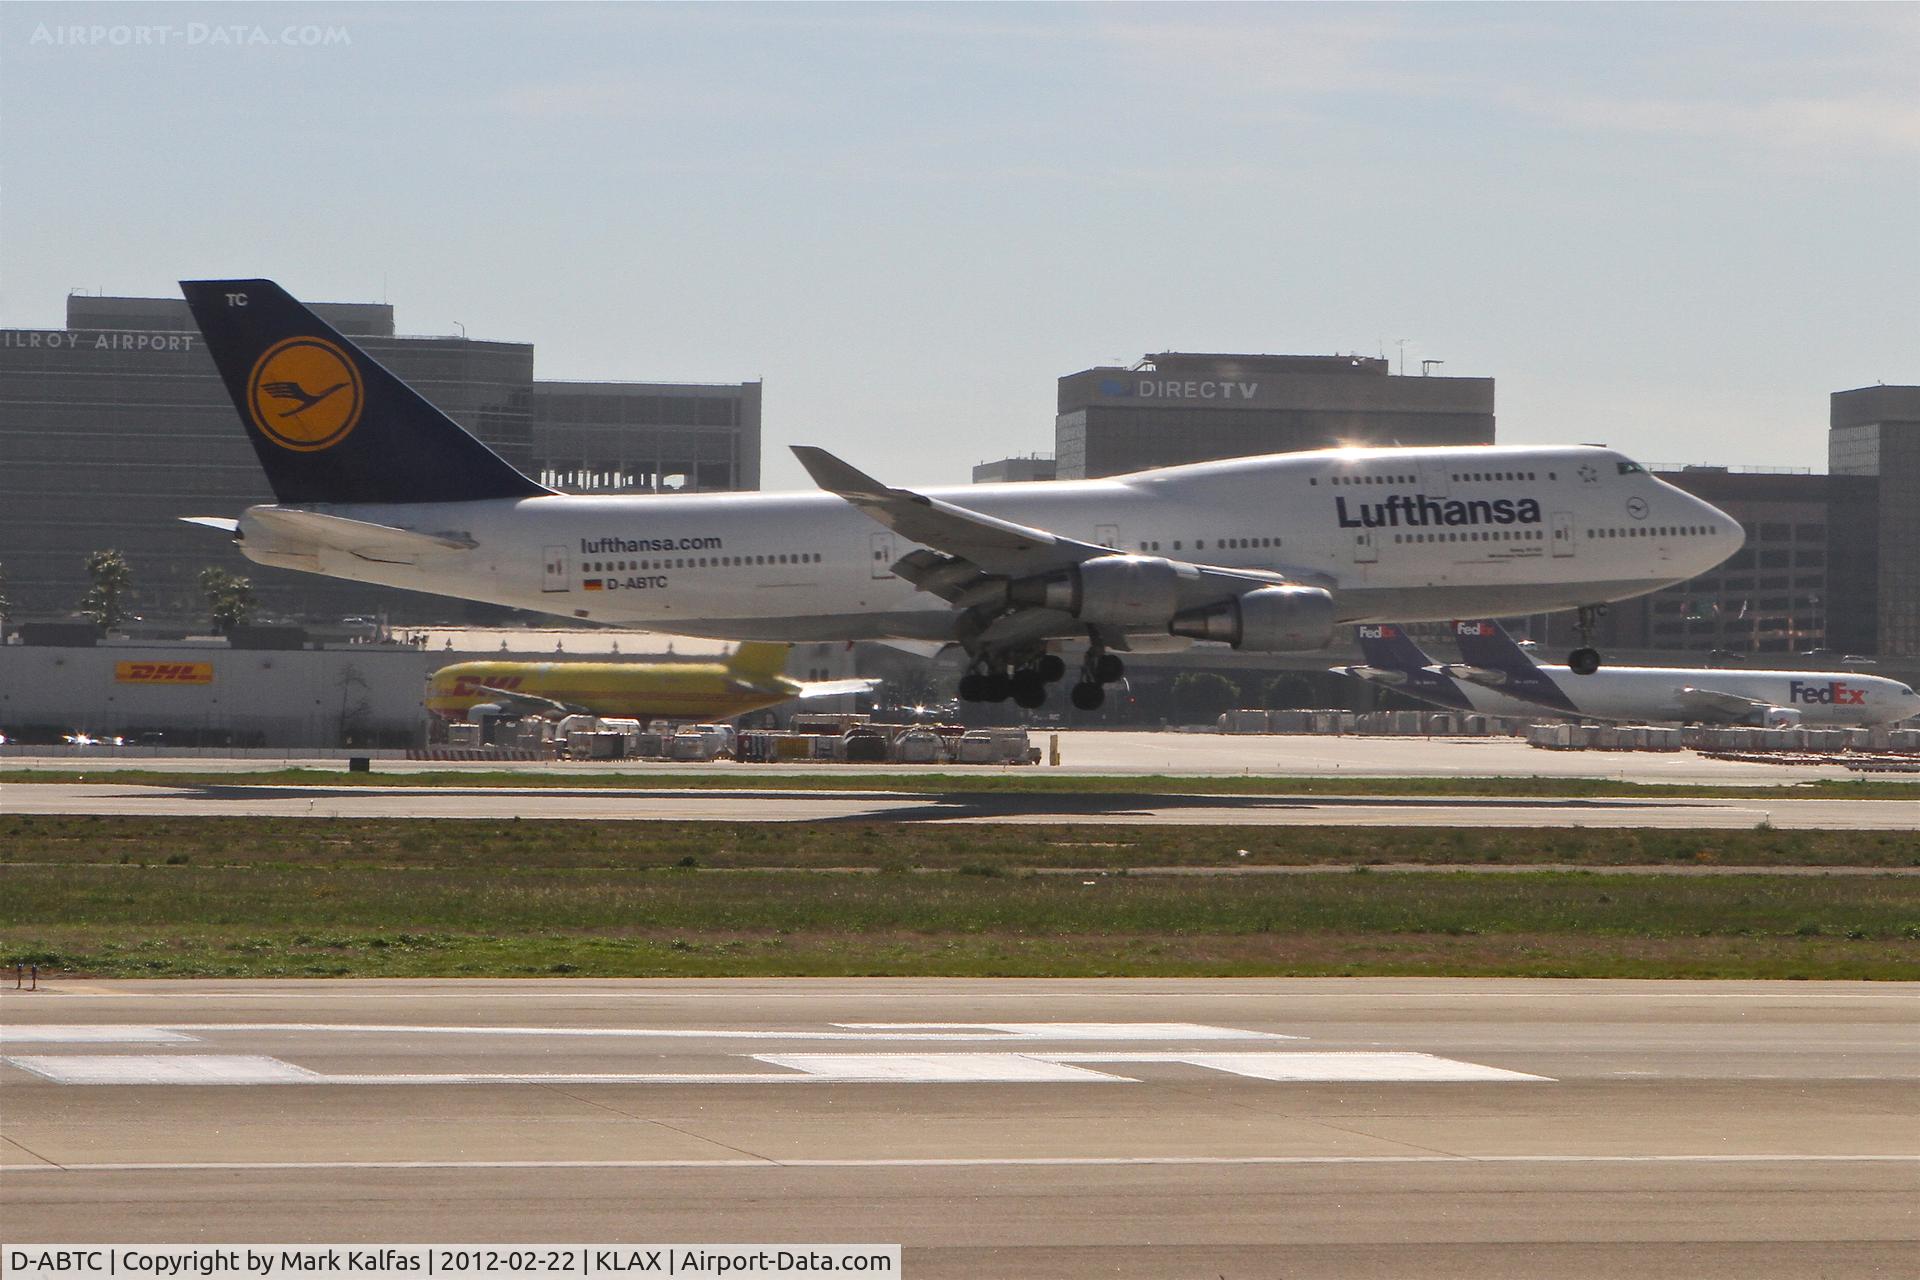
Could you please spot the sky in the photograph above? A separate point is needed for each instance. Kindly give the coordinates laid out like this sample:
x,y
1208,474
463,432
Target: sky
x,y
1674,229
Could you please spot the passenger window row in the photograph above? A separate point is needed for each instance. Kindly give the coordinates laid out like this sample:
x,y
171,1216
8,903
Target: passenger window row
x,y
700,562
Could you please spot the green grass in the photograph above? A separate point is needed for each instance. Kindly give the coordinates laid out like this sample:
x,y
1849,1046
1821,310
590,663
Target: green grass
x,y
287,897
1023,781
488,844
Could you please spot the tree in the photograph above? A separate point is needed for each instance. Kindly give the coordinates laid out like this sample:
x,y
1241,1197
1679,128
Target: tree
x,y
103,602
1286,692
229,599
1200,696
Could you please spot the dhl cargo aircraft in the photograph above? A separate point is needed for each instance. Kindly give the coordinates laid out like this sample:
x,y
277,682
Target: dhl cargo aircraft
x,y
752,677
1265,554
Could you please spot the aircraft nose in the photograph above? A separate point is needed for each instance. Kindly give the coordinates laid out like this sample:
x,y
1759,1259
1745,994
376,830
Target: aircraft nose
x,y
1724,536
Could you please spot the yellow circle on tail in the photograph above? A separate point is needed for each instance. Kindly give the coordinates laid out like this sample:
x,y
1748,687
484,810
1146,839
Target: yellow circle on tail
x,y
305,394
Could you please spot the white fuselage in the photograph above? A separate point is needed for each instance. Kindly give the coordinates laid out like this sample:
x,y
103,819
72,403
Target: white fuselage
x,y
1643,695
1395,534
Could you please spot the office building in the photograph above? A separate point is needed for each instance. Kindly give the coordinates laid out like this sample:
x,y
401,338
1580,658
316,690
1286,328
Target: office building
x,y
1177,407
1873,438
1032,467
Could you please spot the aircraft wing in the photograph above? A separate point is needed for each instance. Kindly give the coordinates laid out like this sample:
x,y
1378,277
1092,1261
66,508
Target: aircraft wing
x,y
834,688
1701,703
987,541
529,701
307,532
972,553
1487,677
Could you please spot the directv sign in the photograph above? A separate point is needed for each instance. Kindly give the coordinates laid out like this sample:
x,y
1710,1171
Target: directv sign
x,y
1151,388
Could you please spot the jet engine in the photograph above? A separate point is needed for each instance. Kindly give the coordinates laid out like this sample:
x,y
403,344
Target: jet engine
x,y
1120,591
1269,620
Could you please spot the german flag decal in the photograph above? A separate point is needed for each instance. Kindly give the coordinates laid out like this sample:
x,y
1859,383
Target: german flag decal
x,y
594,584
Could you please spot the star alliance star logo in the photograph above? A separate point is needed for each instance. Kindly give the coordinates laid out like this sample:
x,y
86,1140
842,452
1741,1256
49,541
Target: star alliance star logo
x,y
1589,473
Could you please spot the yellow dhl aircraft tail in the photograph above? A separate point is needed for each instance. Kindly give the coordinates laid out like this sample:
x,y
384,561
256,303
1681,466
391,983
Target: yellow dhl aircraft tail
x,y
758,660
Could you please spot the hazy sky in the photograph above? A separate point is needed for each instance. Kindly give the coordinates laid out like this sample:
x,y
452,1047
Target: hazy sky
x,y
1674,229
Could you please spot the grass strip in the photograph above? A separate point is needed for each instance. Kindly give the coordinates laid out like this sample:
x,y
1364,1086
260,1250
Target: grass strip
x,y
494,899
491,844
1033,782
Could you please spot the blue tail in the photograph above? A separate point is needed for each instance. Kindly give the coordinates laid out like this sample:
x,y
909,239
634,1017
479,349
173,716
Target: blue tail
x,y
1485,643
1390,648
329,423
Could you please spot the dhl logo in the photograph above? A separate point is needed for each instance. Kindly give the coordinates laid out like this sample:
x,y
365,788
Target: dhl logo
x,y
163,672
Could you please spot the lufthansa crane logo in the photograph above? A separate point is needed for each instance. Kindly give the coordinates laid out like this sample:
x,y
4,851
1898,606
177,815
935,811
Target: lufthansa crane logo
x,y
305,394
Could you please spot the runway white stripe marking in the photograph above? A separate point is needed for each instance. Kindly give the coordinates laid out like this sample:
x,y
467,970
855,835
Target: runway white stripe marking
x,y
815,1068
1339,1067
212,1068
53,1033
961,1162
935,1068
1080,1030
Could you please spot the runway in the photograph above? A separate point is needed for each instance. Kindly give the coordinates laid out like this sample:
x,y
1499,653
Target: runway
x,y
1303,1128
1088,753
609,804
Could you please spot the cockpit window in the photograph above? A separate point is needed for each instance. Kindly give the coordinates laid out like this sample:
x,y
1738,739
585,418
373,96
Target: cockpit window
x,y
1630,468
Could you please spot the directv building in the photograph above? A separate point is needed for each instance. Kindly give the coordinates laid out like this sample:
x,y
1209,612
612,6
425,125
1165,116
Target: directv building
x,y
117,425
1177,407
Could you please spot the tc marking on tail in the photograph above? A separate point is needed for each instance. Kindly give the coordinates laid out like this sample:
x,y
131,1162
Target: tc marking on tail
x,y
290,415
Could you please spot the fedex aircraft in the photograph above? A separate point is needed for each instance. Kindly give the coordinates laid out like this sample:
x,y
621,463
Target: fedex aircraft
x,y
1393,660
1265,554
1715,695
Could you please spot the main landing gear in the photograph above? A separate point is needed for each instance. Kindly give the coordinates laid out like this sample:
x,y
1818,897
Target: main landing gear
x,y
1025,683
1585,660
1101,668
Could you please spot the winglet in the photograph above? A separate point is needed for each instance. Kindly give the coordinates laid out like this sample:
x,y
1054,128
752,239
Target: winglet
x,y
838,476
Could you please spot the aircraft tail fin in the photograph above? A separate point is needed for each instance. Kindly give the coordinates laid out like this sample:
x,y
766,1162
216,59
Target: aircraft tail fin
x,y
1390,648
758,659
1484,643
330,424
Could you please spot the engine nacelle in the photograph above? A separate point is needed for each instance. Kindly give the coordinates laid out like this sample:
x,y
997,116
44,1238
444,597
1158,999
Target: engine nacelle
x,y
1270,620
1120,591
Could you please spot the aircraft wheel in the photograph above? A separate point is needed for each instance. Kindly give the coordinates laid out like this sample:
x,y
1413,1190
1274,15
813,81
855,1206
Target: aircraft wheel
x,y
1584,661
1029,690
1051,667
1088,696
973,687
998,686
1108,668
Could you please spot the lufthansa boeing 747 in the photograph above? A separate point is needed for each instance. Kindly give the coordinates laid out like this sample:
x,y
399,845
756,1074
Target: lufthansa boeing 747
x,y
1265,554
